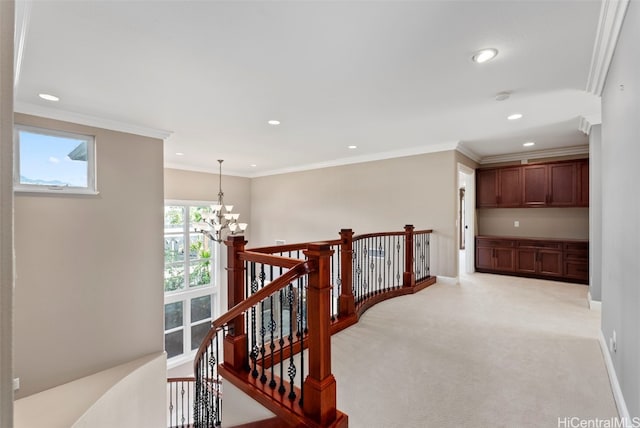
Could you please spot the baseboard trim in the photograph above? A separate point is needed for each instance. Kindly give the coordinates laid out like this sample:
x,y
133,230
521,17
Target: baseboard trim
x,y
623,412
449,280
594,305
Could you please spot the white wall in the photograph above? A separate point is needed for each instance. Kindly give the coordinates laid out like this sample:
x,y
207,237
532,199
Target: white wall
x,y
89,268
6,212
621,208
129,395
366,197
595,213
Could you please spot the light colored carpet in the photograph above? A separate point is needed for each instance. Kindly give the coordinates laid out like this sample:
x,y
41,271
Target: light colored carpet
x,y
494,351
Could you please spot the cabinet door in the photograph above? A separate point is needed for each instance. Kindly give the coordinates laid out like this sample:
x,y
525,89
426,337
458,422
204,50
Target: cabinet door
x,y
526,261
562,185
577,270
583,183
510,187
550,262
504,259
487,188
534,180
484,258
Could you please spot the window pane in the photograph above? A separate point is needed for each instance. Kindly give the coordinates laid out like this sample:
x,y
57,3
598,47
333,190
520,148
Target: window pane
x,y
198,332
173,248
174,343
173,315
53,160
174,218
199,248
200,308
200,273
174,277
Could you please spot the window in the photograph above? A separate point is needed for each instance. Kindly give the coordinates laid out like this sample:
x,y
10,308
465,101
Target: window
x,y
190,272
53,161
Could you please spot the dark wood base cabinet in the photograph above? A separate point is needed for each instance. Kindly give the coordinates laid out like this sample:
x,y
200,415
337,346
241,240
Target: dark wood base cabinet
x,y
561,260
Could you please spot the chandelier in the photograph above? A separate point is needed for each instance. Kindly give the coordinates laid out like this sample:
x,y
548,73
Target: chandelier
x,y
220,217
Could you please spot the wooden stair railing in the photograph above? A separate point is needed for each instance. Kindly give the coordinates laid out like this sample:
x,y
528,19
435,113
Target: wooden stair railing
x,y
319,289
312,401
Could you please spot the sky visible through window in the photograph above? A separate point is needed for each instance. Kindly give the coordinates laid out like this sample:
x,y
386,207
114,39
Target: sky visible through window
x,y
44,160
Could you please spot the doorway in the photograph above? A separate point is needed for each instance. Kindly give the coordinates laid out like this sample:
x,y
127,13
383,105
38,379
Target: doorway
x,y
466,220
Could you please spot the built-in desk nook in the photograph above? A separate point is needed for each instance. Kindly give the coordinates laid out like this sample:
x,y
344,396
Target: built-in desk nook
x,y
557,259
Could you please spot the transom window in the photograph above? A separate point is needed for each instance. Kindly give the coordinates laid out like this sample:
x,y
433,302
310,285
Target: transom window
x,y
53,161
190,272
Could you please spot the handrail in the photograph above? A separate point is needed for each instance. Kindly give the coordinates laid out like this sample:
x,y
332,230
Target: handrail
x,y
376,234
277,284
253,256
289,247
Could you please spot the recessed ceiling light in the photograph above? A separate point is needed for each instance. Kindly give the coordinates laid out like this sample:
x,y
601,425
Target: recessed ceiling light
x,y
274,122
353,147
529,144
515,116
484,55
179,154
49,97
253,165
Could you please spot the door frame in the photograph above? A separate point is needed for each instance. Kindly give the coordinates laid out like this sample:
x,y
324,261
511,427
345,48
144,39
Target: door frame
x,y
470,216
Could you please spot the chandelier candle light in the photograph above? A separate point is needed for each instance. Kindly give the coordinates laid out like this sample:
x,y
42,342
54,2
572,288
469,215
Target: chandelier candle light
x,y
216,221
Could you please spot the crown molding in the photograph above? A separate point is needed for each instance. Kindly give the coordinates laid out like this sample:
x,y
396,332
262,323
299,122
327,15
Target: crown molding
x,y
413,151
584,125
468,152
205,169
539,154
85,119
611,16
586,122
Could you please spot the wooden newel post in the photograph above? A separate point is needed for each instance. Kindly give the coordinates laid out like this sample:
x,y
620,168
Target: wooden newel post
x,y
409,277
235,342
320,385
346,302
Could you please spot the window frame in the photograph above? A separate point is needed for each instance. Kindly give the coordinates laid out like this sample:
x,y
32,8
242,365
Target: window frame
x,y
89,189
188,293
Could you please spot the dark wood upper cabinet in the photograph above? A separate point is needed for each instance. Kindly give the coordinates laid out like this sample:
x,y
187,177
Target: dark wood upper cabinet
x,y
487,188
562,185
583,183
555,184
510,187
535,185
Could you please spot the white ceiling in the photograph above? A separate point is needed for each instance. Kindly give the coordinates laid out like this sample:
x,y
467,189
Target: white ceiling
x,y
391,77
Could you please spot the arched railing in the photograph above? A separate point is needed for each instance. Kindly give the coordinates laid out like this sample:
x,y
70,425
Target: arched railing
x,y
287,298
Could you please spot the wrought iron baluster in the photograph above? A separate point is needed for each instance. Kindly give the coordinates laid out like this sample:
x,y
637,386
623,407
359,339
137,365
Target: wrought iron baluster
x,y
217,384
339,280
247,281
281,389
301,327
333,312
272,344
263,331
291,370
380,266
182,392
254,339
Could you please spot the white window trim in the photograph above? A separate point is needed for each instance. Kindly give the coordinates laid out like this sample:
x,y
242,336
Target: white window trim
x,y
90,189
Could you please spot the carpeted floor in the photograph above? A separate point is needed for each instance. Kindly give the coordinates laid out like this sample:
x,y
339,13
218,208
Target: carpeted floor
x,y
493,351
